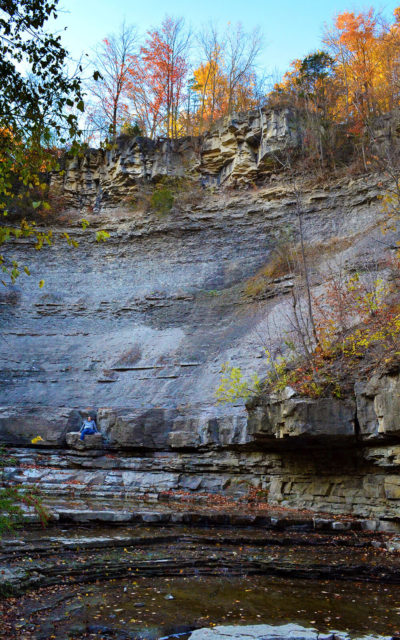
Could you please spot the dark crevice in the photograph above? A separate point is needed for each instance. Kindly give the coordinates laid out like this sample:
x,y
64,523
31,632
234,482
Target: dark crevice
x,y
356,425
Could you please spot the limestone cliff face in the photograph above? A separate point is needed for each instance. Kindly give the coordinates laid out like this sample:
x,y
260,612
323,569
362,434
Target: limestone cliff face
x,y
237,151
137,329
145,320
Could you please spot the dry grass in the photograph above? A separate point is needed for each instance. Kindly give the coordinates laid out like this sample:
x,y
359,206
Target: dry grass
x,y
286,259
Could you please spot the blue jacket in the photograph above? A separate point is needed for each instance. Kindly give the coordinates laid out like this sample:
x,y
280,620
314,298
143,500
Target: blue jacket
x,y
89,424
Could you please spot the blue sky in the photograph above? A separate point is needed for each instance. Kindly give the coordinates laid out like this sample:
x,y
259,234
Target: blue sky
x,y
292,28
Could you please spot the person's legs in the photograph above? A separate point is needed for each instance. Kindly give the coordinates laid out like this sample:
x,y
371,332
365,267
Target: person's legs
x,y
87,431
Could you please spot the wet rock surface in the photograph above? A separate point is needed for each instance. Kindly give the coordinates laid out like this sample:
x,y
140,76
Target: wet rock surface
x,y
269,632
339,479
80,551
154,581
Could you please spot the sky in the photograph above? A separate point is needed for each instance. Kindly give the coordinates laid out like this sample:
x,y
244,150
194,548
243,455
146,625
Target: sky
x,y
291,28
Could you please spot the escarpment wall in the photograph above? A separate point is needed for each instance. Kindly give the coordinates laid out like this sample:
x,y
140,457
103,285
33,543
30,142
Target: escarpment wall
x,y
326,455
236,152
145,320
135,330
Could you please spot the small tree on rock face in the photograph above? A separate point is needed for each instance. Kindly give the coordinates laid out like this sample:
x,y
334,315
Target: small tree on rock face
x,y
311,87
14,499
318,92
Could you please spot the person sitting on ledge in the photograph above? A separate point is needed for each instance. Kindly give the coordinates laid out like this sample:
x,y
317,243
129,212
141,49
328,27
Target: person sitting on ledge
x,y
88,427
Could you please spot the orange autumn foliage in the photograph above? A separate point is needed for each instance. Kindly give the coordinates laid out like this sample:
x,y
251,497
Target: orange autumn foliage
x,y
157,78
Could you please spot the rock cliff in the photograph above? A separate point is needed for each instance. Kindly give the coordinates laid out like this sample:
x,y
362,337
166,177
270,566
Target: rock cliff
x,y
135,330
237,151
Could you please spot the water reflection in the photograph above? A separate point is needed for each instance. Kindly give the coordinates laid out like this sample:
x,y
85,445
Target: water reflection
x,y
138,607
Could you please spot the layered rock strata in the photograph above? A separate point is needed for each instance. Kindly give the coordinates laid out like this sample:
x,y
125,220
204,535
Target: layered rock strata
x,y
237,151
135,330
338,456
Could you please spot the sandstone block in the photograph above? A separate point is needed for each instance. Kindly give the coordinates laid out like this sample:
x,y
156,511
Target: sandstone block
x,y
131,427
281,418
91,441
369,525
20,426
389,526
340,526
257,632
392,487
378,406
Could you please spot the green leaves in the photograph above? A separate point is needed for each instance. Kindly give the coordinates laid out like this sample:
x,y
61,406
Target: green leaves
x,y
38,93
102,236
13,498
234,387
162,200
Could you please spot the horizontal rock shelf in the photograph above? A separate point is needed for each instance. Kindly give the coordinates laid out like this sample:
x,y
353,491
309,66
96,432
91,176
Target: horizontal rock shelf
x,y
269,632
90,441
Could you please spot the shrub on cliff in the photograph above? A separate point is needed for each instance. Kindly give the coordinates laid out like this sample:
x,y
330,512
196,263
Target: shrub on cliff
x,y
14,498
357,322
162,199
167,195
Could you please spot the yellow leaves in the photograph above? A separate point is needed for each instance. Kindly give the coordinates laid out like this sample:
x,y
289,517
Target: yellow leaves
x,y
36,440
41,284
364,47
355,318
70,241
41,237
24,161
233,386
359,341
102,236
